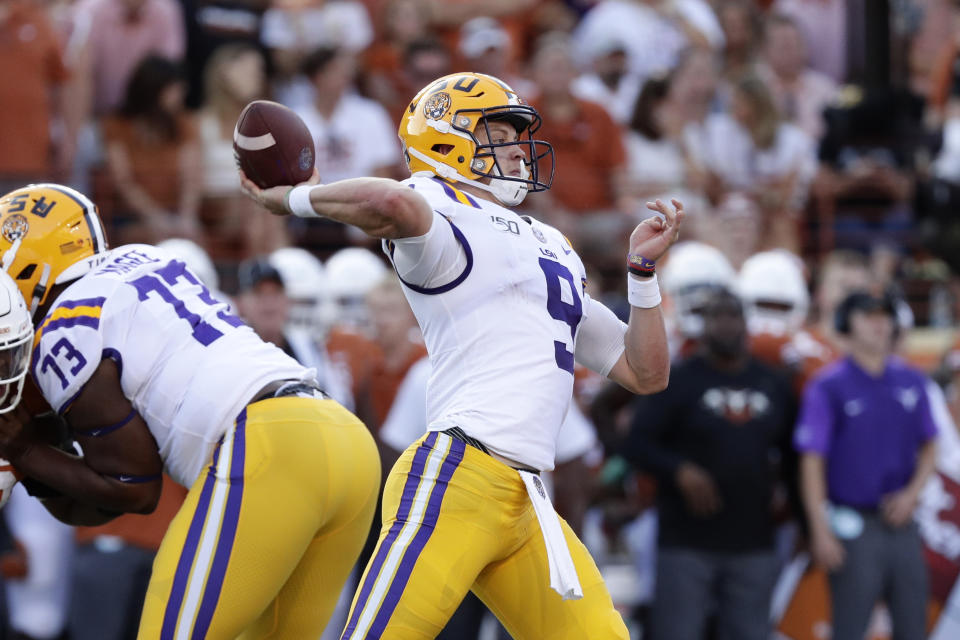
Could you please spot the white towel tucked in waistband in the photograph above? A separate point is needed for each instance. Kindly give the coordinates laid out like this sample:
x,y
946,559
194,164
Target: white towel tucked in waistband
x,y
563,575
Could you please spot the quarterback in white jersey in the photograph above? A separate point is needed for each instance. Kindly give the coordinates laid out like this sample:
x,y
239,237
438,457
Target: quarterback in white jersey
x,y
149,373
501,304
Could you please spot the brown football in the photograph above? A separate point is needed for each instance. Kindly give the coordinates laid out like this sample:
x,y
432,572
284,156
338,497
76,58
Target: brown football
x,y
272,145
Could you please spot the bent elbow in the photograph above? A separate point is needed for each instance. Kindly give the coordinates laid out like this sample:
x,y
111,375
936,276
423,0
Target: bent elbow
x,y
651,383
143,500
402,214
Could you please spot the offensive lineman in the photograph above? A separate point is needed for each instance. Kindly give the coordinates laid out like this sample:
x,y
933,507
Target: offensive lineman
x,y
501,303
153,374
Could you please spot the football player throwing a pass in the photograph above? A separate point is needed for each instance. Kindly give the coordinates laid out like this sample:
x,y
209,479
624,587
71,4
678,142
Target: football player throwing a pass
x,y
500,300
151,373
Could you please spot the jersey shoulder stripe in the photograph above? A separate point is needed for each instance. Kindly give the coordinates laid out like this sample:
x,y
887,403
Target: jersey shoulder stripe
x,y
69,313
456,194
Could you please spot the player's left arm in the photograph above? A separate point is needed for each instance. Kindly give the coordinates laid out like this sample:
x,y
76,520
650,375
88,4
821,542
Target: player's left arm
x,y
120,469
644,366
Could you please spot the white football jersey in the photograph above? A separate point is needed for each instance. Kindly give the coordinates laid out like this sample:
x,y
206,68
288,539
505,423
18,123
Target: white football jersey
x,y
187,364
500,301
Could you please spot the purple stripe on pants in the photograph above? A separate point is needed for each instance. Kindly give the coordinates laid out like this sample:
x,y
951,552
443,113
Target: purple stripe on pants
x,y
406,501
419,541
179,589
228,532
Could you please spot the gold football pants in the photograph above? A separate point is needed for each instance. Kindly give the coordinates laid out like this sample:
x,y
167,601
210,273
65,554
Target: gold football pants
x,y
456,519
269,533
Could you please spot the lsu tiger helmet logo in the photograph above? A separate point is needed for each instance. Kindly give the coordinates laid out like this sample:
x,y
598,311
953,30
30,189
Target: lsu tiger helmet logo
x,y
438,133
49,234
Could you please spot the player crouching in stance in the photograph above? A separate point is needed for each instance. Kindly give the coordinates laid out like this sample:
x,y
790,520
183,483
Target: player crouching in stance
x,y
152,374
501,302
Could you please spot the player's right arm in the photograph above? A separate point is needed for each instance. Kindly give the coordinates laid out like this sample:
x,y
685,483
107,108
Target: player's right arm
x,y
380,207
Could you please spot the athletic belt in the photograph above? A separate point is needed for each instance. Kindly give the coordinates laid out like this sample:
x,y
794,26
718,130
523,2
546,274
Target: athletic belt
x,y
459,434
285,388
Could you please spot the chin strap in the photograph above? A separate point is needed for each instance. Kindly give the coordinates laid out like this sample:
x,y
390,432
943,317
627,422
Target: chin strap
x,y
507,192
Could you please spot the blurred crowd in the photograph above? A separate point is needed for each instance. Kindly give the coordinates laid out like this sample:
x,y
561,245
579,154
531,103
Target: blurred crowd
x,y
815,145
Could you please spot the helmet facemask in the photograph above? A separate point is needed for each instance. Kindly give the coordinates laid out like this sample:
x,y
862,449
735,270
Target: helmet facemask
x,y
14,365
16,343
511,190
439,132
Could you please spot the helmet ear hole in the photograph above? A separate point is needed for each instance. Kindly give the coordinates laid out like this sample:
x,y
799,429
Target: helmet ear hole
x,y
27,271
442,149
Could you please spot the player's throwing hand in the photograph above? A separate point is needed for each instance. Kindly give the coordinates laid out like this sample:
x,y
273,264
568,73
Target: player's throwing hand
x,y
274,198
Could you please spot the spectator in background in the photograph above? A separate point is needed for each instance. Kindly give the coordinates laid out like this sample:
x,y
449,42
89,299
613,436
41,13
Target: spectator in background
x,y
753,150
292,29
400,24
800,93
655,155
154,157
824,26
395,331
867,442
32,67
77,134
656,31
736,226
742,33
589,152
716,439
423,61
354,136
232,228
840,273
212,23
263,303
124,33
608,80
485,47
657,158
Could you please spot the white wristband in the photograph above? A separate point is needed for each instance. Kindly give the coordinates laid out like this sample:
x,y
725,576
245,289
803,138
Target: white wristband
x,y
298,201
643,292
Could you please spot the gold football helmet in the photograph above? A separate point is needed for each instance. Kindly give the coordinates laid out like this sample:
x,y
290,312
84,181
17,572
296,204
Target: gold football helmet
x,y
437,131
49,234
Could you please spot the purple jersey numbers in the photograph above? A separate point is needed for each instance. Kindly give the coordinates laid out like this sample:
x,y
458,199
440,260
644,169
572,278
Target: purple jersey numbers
x,y
559,309
65,349
173,277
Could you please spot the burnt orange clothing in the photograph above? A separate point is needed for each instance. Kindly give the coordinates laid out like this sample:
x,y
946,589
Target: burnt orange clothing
x,y
587,150
384,382
374,384
358,353
30,62
802,354
941,75
146,531
155,165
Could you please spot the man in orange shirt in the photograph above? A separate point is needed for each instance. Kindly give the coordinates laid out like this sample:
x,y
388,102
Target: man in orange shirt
x,y
31,64
589,153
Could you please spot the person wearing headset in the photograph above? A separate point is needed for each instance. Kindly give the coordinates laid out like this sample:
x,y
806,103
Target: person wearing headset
x,y
866,439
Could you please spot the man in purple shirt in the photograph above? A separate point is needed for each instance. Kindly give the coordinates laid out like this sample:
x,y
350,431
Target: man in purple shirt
x,y
866,439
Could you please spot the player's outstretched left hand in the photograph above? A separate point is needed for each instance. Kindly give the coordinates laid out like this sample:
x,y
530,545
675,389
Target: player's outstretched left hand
x,y
271,199
653,236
